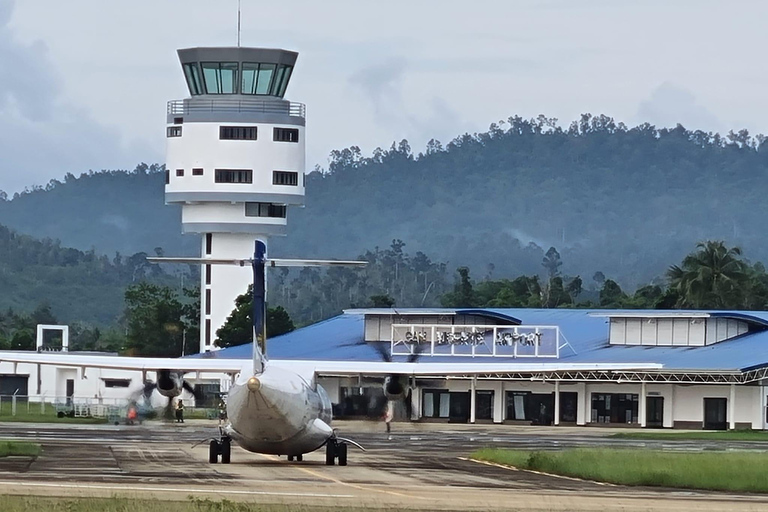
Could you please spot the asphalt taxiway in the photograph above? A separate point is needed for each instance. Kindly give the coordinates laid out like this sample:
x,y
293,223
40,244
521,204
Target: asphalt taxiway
x,y
419,466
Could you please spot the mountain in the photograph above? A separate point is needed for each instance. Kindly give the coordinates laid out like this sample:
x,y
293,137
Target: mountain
x,y
623,201
76,285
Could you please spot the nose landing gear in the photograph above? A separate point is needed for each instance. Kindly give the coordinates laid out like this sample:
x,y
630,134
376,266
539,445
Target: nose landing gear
x,y
335,449
222,447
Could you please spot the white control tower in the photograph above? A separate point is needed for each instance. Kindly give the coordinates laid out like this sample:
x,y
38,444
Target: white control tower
x,y
235,163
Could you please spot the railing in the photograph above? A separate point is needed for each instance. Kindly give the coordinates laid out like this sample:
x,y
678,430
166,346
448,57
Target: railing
x,y
199,106
44,409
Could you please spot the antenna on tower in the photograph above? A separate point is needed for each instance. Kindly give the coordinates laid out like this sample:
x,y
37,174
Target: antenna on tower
x,y
238,23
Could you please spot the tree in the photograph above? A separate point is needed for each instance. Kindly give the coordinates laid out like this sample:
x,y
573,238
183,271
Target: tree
x,y
154,322
611,295
552,262
463,296
713,276
381,301
238,329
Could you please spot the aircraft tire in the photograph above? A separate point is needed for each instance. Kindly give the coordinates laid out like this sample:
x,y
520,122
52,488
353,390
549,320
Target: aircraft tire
x,y
341,453
330,453
290,458
226,450
299,457
213,452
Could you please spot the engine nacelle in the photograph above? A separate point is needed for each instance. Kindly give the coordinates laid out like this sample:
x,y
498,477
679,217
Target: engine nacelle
x,y
170,383
394,387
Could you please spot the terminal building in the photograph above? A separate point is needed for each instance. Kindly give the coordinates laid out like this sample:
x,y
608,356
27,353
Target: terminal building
x,y
641,368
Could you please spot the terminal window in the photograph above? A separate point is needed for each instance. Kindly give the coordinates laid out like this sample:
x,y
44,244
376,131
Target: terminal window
x,y
179,172
237,133
117,383
286,135
173,131
265,210
197,172
285,178
234,176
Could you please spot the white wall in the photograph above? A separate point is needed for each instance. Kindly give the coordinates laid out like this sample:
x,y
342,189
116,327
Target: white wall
x,y
200,147
227,281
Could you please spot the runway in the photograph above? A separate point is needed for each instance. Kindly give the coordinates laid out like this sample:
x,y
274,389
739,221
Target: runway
x,y
419,467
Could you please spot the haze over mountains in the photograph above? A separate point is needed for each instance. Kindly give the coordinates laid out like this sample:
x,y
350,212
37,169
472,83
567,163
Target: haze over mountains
x,y
624,201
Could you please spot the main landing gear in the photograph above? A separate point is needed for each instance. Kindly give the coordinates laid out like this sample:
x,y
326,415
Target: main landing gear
x,y
223,448
298,458
335,449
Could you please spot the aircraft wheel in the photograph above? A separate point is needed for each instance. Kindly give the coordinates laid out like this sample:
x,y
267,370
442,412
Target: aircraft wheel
x,y
299,457
213,452
341,453
330,453
290,458
226,450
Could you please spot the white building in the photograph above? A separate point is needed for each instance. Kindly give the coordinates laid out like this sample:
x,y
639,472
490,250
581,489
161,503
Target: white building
x,y
235,163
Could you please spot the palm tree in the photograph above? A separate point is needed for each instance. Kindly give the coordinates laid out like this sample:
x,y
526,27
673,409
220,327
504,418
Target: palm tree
x,y
714,276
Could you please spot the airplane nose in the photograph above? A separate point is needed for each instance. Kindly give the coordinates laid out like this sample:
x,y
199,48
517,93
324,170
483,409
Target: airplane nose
x,y
253,384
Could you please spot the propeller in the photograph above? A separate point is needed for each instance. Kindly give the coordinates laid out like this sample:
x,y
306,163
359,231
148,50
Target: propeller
x,y
395,386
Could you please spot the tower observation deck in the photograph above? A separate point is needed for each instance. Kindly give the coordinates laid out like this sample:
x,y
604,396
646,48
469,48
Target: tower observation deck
x,y
235,162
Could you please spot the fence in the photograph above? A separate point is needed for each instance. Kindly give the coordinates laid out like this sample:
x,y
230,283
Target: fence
x,y
32,408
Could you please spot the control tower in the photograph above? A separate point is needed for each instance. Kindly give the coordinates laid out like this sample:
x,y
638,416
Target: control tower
x,y
235,163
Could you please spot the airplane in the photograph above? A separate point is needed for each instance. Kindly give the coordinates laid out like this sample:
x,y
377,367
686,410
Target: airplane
x,y
277,407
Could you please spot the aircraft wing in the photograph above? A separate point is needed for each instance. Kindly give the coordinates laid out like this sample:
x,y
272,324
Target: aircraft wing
x,y
425,369
76,360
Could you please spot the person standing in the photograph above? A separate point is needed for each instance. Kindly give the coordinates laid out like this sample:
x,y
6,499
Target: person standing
x,y
222,412
179,411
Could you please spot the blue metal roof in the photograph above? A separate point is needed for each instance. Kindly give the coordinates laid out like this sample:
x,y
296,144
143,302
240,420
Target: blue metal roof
x,y
341,338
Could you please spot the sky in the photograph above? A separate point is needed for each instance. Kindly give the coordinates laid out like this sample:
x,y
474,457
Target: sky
x,y
84,83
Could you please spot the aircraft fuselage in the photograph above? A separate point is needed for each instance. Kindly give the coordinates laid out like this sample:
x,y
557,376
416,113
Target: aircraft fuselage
x,y
278,412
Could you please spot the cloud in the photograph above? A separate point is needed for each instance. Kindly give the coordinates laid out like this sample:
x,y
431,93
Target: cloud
x,y
670,105
419,121
381,84
41,134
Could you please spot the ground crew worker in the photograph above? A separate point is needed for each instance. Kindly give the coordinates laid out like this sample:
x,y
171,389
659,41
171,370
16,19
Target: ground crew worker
x,y
179,412
222,412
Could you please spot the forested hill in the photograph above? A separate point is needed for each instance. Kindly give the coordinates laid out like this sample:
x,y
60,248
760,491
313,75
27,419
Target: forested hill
x,y
625,201
108,211
72,284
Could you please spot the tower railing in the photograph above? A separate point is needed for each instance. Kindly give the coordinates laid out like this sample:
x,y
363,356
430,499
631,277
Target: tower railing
x,y
184,107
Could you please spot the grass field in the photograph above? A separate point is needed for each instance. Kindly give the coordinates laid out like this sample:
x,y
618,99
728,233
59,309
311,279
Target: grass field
x,y
25,504
8,448
725,471
713,435
36,416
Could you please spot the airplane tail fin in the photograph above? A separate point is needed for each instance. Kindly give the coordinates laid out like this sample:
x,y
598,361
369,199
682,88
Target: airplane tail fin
x,y
259,361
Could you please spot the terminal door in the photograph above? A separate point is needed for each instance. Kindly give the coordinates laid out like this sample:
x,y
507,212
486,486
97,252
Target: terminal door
x,y
459,407
654,412
715,411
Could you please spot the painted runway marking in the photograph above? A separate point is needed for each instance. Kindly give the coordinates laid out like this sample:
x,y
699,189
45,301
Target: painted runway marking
x,y
513,468
172,489
340,482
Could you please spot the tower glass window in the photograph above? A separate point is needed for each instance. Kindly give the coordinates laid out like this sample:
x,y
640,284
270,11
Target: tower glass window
x,y
284,82
234,176
257,78
285,178
173,131
192,74
220,77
